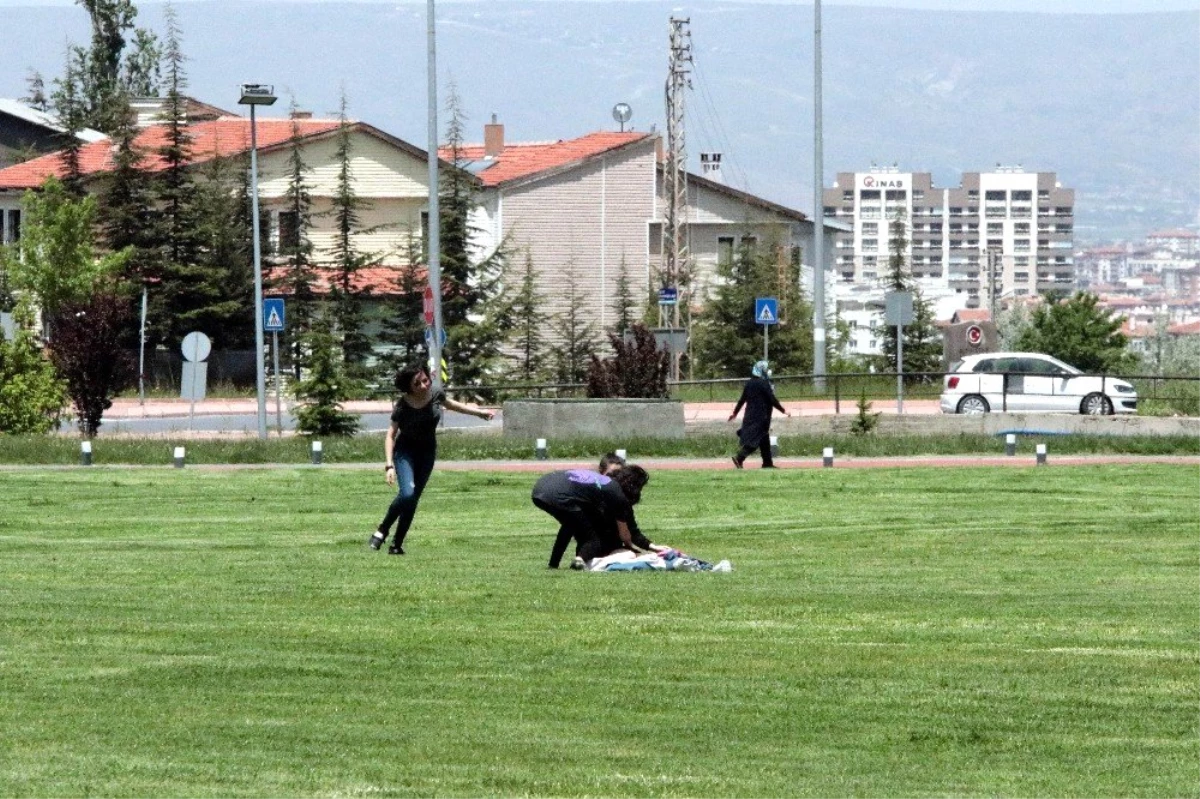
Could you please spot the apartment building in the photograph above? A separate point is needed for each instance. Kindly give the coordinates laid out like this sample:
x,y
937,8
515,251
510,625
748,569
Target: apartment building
x,y
999,235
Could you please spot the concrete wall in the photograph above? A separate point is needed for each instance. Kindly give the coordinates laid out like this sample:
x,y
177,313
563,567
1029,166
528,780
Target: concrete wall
x,y
615,418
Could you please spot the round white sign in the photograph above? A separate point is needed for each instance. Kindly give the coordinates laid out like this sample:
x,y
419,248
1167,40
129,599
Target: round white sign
x,y
196,346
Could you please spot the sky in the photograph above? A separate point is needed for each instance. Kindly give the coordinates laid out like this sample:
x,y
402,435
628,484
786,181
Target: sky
x,y
1045,6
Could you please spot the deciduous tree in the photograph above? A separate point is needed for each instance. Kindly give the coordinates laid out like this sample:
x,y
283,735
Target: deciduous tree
x,y
1078,331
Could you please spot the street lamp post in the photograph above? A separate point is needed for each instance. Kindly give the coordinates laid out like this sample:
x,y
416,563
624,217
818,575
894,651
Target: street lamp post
x,y
256,94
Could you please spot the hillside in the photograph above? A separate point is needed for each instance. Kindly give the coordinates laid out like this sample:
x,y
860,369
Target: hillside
x,y
1109,102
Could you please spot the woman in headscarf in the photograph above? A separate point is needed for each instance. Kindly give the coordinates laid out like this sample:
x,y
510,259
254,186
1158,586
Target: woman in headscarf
x,y
759,398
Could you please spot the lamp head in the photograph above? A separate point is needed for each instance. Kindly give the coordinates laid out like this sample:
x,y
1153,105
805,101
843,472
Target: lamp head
x,y
257,94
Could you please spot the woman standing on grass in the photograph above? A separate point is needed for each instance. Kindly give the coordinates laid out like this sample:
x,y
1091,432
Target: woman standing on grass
x,y
759,398
410,449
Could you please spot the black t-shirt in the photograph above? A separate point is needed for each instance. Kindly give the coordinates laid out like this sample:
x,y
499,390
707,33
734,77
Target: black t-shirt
x,y
417,427
586,490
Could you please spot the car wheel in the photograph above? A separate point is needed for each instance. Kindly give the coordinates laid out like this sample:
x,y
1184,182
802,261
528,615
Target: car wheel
x,y
1096,404
973,404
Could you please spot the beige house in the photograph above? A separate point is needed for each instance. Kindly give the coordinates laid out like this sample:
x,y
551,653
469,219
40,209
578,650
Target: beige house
x,y
388,174
594,206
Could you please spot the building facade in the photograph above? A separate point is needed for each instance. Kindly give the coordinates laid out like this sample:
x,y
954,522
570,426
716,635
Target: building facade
x,y
999,235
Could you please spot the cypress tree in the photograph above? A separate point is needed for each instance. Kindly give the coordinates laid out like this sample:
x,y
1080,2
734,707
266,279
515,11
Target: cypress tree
x,y
298,277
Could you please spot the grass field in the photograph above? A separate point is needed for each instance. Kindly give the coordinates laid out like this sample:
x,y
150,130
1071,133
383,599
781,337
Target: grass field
x,y
901,632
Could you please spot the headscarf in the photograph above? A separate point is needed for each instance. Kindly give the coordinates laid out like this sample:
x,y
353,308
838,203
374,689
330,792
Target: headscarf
x,y
761,370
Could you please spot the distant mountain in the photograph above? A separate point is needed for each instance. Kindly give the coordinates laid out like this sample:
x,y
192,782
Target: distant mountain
x,y
1109,102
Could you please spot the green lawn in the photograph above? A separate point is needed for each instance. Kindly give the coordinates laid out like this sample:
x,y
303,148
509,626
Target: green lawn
x,y
906,632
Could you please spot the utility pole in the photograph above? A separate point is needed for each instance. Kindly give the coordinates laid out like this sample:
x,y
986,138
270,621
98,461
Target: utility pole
x,y
818,211
992,257
675,272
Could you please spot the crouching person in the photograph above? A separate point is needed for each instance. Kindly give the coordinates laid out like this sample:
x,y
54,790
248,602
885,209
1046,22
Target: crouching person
x,y
594,509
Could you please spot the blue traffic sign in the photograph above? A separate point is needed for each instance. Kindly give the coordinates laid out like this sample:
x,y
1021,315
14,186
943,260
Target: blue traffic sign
x,y
273,318
668,295
766,311
429,337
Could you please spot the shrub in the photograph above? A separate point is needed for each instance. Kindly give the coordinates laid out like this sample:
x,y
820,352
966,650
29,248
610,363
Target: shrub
x,y
866,422
88,351
31,394
638,368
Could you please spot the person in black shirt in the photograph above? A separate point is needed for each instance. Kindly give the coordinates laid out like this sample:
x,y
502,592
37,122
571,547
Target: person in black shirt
x,y
594,509
755,433
410,449
609,463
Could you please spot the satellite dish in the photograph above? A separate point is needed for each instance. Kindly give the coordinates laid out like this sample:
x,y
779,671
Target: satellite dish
x,y
622,112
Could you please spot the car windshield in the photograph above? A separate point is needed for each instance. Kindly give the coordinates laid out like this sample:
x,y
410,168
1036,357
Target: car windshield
x,y
1066,367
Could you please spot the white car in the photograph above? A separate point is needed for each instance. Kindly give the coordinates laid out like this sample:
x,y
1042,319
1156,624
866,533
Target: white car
x,y
1029,381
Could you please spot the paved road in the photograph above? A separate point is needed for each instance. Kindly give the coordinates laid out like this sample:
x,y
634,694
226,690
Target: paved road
x,y
239,417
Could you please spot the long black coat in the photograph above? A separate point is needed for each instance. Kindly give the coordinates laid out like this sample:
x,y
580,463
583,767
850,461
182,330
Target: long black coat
x,y
759,399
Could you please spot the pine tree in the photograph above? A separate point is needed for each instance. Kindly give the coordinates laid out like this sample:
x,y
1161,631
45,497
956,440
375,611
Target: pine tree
x,y
346,297
729,340
922,342
325,389
179,299
472,290
299,274
36,88
69,108
625,305
404,328
527,343
574,333
124,211
223,292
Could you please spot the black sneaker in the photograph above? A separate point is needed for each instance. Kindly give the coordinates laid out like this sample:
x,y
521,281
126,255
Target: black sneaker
x,y
376,540
395,549
737,463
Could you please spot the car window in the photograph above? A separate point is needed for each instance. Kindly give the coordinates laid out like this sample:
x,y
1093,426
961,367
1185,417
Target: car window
x,y
1002,365
1036,366
954,367
985,365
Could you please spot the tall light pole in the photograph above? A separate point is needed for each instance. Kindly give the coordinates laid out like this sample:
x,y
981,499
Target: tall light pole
x,y
434,243
256,94
818,211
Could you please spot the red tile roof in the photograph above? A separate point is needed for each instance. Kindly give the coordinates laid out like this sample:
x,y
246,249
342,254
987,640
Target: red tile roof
x,y
517,161
217,138
972,315
378,279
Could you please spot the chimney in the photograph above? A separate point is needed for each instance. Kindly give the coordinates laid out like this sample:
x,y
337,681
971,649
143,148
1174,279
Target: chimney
x,y
493,138
298,114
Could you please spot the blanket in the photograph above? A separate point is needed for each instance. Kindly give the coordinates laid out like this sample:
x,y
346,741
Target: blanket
x,y
667,560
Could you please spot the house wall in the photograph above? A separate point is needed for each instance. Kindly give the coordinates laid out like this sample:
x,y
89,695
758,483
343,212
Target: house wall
x,y
391,183
586,220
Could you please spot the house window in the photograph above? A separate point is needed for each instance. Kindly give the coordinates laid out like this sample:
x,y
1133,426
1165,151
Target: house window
x,y
870,229
995,228
10,226
724,250
289,231
1022,196
994,196
897,195
749,243
870,244
869,194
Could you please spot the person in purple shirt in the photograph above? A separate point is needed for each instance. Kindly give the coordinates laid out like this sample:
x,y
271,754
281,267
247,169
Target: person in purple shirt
x,y
595,509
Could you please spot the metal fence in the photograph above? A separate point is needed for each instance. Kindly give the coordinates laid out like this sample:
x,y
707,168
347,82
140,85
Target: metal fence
x,y
1157,394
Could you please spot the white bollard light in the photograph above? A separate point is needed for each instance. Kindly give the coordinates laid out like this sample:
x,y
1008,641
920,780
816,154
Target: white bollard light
x,y
540,449
85,453
1010,444
1041,454
827,456
774,446
316,453
180,452
621,454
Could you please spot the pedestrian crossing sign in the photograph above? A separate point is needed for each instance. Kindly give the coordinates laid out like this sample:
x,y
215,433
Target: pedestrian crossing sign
x,y
766,311
273,315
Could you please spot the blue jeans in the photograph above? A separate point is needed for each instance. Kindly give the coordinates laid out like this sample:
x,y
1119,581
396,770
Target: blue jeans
x,y
413,468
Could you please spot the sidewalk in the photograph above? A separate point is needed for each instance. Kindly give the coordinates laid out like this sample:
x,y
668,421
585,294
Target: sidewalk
x,y
127,408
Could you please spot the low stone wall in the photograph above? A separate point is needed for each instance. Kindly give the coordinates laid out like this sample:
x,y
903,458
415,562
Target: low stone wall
x,y
610,418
